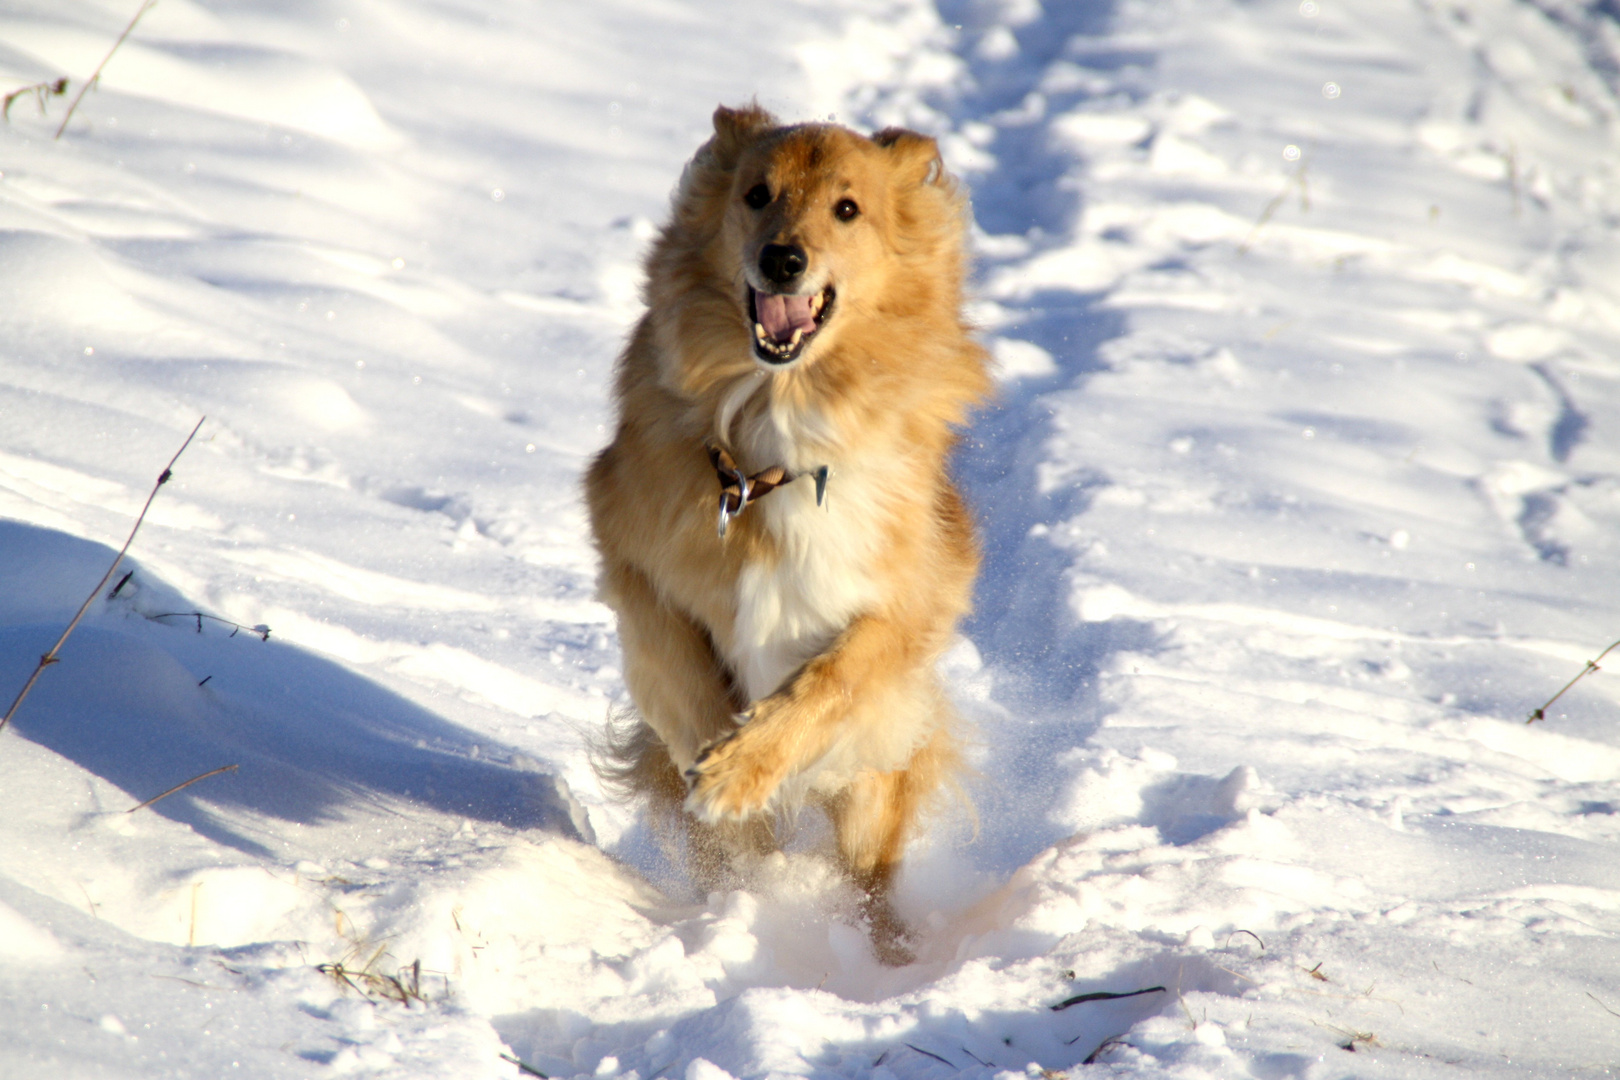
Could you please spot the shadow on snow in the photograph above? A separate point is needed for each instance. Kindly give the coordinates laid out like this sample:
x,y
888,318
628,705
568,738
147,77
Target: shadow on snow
x,y
311,737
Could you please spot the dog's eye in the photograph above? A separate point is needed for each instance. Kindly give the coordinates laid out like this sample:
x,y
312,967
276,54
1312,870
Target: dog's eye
x,y
846,210
758,196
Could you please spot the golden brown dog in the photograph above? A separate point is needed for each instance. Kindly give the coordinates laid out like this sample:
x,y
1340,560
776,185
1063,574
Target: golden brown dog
x,y
778,534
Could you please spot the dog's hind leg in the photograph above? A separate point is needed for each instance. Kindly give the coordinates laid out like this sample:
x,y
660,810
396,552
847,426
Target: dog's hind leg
x,y
681,688
873,819
686,699
713,851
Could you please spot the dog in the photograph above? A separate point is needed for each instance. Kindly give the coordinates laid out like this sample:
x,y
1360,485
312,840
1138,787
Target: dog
x,y
779,535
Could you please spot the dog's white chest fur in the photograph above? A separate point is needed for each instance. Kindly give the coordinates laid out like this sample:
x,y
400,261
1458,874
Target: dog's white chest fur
x,y
791,610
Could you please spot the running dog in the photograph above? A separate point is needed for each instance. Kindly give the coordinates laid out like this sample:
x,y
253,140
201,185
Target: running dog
x,y
778,533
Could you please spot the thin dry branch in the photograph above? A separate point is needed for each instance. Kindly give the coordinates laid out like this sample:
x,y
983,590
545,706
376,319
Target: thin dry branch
x,y
403,988
525,1068
51,656
1105,1046
1298,176
977,1058
261,631
1103,995
95,77
181,787
930,1053
1251,933
1591,666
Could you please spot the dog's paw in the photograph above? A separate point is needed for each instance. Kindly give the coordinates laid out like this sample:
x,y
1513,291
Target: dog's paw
x,y
730,780
892,941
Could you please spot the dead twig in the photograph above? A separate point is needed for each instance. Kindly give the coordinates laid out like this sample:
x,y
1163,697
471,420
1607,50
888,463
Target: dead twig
x,y
1352,1037
1237,975
1298,176
977,1058
40,90
95,77
404,987
1102,1048
1251,933
194,982
1602,1006
1103,995
929,1053
1459,978
182,787
527,1069
1591,666
51,656
262,631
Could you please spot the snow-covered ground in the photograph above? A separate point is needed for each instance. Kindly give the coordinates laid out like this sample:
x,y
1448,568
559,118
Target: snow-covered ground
x,y
1302,490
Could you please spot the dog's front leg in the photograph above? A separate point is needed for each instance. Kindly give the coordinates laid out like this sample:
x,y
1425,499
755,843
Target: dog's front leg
x,y
790,730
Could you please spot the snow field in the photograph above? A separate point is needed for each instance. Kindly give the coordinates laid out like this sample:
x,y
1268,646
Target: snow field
x,y
1299,495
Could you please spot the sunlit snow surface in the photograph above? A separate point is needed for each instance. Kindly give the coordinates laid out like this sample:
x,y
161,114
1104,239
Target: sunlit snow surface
x,y
1302,490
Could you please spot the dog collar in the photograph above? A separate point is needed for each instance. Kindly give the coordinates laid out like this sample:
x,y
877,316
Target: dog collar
x,y
738,489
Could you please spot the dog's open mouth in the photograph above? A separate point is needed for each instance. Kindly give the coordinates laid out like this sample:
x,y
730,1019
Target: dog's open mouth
x,y
784,325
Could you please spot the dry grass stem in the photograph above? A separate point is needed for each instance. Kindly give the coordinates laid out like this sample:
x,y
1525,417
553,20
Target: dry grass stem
x,y
1237,974
1298,176
194,982
1365,1038
1602,1006
95,77
1091,1059
40,90
403,987
261,631
1591,666
977,1058
1251,933
525,1068
930,1053
1103,995
180,787
51,657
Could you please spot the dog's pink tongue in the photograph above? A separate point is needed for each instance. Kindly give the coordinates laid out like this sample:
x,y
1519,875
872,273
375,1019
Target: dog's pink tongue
x,y
781,315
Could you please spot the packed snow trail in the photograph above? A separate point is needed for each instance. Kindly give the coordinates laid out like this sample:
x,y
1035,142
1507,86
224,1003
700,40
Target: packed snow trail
x,y
1300,494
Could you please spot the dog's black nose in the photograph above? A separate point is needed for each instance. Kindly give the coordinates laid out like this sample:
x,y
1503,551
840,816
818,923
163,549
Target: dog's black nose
x,y
781,263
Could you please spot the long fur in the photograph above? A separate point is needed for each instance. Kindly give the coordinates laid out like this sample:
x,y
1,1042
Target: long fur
x,y
794,658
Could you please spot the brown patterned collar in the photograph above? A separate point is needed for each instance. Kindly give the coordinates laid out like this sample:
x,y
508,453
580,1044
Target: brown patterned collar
x,y
737,489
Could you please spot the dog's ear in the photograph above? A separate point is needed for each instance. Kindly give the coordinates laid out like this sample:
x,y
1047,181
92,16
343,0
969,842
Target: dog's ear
x,y
736,128
917,156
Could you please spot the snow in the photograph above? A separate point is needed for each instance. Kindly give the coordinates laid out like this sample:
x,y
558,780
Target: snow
x,y
1301,492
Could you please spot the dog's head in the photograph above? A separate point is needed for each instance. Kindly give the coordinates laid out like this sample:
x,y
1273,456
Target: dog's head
x,y
807,231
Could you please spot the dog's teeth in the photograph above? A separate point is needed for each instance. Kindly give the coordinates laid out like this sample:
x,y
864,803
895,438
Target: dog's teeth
x,y
794,340
759,332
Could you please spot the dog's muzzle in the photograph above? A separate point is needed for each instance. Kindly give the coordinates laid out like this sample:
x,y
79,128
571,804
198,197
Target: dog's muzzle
x,y
783,325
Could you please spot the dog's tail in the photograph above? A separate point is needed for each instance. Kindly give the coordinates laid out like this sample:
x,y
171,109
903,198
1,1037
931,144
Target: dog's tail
x,y
633,764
